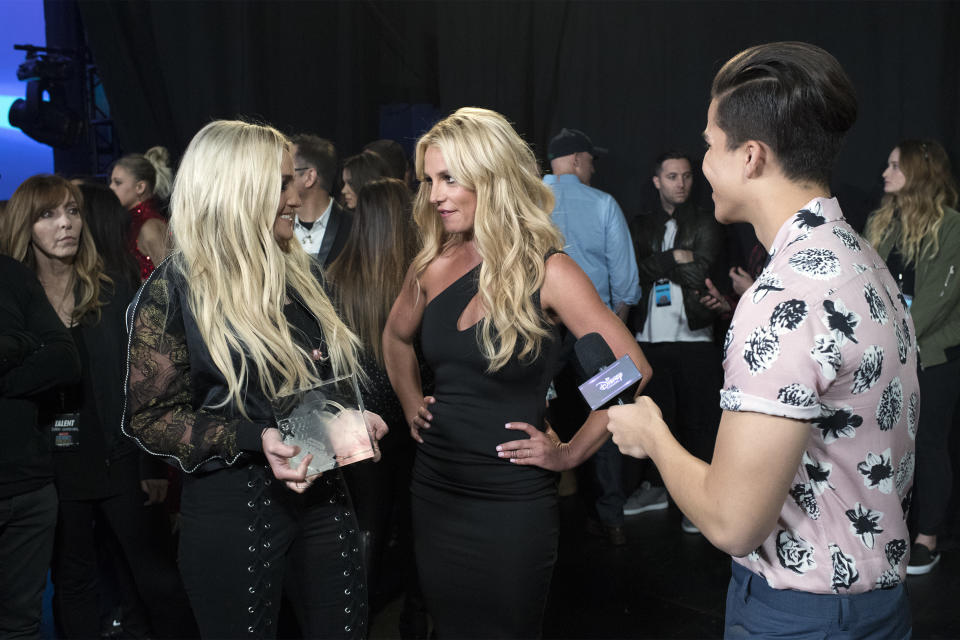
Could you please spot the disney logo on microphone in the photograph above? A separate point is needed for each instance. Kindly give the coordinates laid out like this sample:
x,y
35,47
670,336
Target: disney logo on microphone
x,y
609,383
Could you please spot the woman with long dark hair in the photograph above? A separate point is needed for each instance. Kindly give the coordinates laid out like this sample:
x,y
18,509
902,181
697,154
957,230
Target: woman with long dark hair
x,y
233,320
365,279
368,274
98,471
486,293
917,231
358,171
109,223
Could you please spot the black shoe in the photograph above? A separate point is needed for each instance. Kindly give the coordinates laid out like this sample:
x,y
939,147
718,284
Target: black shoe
x,y
922,560
615,534
111,625
413,625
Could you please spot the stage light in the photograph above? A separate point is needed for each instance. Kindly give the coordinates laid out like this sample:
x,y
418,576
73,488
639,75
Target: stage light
x,y
47,121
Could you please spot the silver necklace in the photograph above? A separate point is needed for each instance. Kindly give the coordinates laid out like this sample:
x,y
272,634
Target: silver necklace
x,y
307,233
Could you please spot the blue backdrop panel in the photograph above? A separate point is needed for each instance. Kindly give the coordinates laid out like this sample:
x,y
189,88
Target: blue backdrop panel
x,y
20,156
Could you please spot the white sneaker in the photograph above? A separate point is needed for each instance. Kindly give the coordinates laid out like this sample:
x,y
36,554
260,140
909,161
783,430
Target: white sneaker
x,y
646,498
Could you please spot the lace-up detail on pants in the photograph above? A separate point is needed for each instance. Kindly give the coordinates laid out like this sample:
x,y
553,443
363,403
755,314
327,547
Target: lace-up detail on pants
x,y
261,569
247,539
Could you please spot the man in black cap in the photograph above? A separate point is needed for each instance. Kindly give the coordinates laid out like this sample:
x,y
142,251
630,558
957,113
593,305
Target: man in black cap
x,y
598,240
591,220
572,152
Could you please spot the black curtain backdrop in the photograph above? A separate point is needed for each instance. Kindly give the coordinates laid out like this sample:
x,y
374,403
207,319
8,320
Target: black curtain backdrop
x,y
634,75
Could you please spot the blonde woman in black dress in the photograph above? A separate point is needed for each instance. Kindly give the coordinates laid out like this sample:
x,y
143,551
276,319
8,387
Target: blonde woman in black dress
x,y
486,293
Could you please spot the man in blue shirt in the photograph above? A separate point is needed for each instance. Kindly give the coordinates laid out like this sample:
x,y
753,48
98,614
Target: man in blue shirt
x,y
596,233
598,239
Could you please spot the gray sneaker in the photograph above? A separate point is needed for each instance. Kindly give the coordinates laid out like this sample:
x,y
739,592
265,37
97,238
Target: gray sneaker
x,y
687,525
646,498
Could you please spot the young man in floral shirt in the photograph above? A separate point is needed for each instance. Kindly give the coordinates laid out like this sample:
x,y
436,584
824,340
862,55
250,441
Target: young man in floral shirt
x,y
811,476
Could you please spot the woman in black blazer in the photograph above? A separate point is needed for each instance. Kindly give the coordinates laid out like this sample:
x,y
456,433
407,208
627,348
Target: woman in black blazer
x,y
99,473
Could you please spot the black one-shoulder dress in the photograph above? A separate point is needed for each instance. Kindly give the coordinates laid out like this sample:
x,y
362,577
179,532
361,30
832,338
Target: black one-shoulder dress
x,y
485,530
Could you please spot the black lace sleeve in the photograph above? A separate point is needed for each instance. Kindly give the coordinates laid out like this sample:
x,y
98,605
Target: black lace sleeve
x,y
160,413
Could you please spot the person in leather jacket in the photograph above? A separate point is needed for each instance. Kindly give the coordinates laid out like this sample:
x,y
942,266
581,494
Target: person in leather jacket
x,y
695,253
678,247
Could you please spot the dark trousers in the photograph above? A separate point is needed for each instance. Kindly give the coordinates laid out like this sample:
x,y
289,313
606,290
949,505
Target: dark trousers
x,y
608,474
754,610
142,534
934,477
380,492
567,413
686,382
246,539
27,525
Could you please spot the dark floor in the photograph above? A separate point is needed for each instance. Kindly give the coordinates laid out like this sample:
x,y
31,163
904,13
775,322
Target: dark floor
x,y
663,584
668,584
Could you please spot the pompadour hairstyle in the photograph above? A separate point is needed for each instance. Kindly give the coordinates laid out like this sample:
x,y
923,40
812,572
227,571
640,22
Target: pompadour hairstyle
x,y
793,96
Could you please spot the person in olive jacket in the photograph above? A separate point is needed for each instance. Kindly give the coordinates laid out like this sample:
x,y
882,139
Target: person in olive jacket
x,y
917,231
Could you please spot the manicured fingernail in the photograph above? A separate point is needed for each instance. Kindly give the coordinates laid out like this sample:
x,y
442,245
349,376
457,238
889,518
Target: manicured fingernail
x,y
501,454
499,448
507,425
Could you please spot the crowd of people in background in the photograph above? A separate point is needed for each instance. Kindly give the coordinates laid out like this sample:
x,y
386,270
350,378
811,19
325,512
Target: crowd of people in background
x,y
148,320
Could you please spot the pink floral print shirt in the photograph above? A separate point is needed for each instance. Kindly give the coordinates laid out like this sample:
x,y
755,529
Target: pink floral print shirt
x,y
824,336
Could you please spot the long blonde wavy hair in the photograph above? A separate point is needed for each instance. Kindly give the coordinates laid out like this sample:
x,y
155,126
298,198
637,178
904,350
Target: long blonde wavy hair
x,y
928,190
34,196
223,209
512,227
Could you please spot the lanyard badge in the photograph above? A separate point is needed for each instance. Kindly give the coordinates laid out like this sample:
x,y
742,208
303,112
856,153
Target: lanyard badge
x,y
65,431
661,292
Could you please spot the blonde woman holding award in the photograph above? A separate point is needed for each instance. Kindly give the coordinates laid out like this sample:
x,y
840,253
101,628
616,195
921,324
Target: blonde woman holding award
x,y
232,321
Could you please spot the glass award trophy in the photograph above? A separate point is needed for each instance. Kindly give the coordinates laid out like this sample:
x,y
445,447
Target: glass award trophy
x,y
328,422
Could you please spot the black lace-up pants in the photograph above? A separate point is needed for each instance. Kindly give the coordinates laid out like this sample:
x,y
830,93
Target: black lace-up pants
x,y
246,538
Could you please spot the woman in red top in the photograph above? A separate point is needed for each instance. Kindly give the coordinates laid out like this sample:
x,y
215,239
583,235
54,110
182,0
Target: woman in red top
x,y
139,182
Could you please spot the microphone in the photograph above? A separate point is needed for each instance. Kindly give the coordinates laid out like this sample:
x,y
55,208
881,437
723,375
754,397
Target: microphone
x,y
611,381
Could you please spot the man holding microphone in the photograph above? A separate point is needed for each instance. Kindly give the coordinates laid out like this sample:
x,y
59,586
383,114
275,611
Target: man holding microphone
x,y
811,475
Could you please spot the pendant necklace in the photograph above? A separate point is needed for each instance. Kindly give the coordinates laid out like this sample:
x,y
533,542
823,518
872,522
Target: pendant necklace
x,y
305,231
